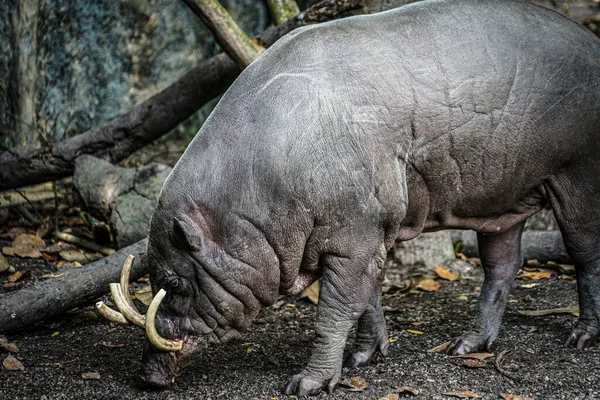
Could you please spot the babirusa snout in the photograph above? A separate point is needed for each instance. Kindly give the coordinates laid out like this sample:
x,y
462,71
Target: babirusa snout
x,y
129,314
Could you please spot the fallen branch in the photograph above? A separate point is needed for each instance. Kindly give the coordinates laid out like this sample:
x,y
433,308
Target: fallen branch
x,y
118,138
535,245
28,306
86,244
227,33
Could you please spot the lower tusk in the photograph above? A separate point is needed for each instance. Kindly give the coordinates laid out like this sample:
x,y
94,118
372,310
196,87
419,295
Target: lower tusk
x,y
158,341
110,314
131,314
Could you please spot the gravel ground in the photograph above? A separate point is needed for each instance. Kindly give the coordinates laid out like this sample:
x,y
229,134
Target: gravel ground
x,y
278,345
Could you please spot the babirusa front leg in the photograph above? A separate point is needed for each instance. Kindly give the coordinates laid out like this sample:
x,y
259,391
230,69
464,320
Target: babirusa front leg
x,y
346,288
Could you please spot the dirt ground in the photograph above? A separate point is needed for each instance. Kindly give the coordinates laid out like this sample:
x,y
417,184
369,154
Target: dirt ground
x,y
278,345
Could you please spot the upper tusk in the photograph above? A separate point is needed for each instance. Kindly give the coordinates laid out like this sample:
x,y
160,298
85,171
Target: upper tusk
x,y
110,314
125,282
158,341
128,312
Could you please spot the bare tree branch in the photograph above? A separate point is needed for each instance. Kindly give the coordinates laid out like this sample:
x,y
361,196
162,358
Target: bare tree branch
x,y
283,10
227,33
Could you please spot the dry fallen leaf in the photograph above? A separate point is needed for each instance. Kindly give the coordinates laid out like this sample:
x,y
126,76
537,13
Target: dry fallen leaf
x,y
77,256
358,384
3,263
145,295
389,309
507,396
407,389
536,276
476,356
3,339
11,347
462,298
466,394
91,375
440,348
25,245
311,292
55,333
428,285
445,274
562,310
392,396
15,277
12,364
471,363
415,332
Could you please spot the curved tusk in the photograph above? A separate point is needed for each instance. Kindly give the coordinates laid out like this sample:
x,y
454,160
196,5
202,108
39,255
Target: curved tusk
x,y
158,341
131,314
125,282
110,314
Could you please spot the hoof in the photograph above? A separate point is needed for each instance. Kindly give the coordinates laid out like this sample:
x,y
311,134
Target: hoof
x,y
467,344
580,339
362,357
307,385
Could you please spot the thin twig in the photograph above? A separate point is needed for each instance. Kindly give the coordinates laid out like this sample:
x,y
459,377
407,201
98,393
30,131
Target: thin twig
x,y
31,205
88,244
499,359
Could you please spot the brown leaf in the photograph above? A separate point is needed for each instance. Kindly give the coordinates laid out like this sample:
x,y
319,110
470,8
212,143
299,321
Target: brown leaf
x,y
15,231
471,363
536,276
392,396
407,389
77,256
440,348
15,277
49,257
414,331
445,274
428,285
311,292
359,383
463,394
389,309
73,221
11,347
3,264
507,396
539,313
91,375
145,295
476,356
12,364
26,245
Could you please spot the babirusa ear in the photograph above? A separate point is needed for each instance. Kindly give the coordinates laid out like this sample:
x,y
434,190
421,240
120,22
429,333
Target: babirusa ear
x,y
186,235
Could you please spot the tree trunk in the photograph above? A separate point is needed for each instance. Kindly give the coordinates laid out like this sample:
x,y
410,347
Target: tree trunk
x,y
116,139
78,286
24,75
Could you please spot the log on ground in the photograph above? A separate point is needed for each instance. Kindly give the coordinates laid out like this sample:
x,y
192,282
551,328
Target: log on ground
x,y
78,286
543,246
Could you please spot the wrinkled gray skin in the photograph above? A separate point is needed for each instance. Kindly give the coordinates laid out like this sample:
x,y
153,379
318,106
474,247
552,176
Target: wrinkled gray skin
x,y
347,136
